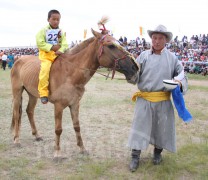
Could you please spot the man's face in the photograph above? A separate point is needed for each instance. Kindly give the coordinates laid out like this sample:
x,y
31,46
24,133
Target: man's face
x,y
158,41
54,20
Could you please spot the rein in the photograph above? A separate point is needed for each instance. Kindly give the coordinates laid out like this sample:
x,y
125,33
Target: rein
x,y
87,69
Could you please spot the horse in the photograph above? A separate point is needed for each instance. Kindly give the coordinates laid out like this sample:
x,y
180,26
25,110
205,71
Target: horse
x,y
69,74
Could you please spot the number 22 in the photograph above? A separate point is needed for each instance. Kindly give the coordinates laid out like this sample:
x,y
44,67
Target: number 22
x,y
52,36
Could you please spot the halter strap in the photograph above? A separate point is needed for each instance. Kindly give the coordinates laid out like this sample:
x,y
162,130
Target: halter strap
x,y
116,60
101,46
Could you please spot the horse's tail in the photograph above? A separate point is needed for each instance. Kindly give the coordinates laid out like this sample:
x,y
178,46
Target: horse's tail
x,y
17,89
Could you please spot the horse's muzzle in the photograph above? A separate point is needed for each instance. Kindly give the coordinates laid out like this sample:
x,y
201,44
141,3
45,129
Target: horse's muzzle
x,y
134,79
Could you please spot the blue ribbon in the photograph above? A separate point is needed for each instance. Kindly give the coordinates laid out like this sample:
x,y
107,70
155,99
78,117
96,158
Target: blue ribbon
x,y
179,103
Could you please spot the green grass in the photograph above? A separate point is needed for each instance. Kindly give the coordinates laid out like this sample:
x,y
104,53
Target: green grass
x,y
92,101
197,77
39,165
4,75
15,167
199,114
10,163
199,88
3,147
95,170
205,136
190,161
193,157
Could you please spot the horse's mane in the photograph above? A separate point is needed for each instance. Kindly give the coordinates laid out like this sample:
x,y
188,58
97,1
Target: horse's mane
x,y
81,46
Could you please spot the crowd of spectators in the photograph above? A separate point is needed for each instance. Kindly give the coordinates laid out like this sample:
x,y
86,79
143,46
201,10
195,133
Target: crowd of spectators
x,y
192,53
8,56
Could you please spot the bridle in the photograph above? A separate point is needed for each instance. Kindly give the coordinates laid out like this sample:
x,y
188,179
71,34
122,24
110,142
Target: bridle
x,y
116,60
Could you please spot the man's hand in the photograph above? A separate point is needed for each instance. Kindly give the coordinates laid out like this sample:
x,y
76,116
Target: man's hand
x,y
55,47
58,53
179,82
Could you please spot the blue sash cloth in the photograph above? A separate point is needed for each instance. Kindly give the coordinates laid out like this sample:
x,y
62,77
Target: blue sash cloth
x,y
179,103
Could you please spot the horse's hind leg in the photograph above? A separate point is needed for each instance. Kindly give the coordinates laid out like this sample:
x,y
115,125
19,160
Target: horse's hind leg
x,y
17,113
75,118
30,113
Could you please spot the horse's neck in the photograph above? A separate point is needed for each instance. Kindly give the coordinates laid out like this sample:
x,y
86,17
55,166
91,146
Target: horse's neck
x,y
89,62
90,58
85,63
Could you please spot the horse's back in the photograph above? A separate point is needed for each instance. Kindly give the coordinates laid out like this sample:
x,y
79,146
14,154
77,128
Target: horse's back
x,y
25,74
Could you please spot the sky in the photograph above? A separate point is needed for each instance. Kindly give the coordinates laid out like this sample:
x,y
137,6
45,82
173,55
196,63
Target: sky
x,y
22,19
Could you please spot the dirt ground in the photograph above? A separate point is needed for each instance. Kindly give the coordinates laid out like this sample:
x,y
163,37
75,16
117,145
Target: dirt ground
x,y
203,83
105,116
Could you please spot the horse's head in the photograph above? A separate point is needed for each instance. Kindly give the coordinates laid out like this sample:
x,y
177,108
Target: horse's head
x,y
114,56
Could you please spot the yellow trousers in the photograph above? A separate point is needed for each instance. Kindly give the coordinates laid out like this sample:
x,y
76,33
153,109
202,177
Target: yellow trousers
x,y
46,59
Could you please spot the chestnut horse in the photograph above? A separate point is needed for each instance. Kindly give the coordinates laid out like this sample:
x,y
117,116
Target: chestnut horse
x,y
69,74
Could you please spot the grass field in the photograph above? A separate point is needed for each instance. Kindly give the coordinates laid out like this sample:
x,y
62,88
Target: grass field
x,y
105,116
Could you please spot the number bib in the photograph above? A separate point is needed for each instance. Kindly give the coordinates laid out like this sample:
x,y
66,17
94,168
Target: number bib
x,y
52,36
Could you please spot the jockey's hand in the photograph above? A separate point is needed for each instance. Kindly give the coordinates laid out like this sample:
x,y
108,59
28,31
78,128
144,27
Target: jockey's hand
x,y
55,47
58,53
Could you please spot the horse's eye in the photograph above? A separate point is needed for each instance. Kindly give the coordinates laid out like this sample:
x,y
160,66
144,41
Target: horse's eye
x,y
111,46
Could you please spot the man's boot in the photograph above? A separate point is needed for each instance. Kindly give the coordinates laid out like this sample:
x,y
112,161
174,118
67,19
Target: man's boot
x,y
135,154
157,156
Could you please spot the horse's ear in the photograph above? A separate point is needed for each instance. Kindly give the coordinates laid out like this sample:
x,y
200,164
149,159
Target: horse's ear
x,y
96,34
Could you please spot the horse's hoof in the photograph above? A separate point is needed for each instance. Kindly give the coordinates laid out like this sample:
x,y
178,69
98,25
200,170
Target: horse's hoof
x,y
39,139
17,142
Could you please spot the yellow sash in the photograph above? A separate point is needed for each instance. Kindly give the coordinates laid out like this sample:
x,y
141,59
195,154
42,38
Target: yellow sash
x,y
152,96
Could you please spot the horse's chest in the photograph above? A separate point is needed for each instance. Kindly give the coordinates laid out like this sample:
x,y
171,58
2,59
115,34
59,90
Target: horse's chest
x,y
68,93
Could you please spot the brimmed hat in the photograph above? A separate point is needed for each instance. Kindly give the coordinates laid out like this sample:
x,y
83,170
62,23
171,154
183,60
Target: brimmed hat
x,y
163,30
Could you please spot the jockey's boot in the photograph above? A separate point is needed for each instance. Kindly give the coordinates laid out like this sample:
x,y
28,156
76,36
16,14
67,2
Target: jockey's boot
x,y
134,164
44,100
157,156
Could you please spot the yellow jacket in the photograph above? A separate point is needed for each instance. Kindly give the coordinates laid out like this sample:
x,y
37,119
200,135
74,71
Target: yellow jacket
x,y
44,46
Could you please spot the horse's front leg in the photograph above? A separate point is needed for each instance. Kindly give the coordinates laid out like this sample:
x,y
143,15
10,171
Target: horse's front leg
x,y
30,112
58,129
75,118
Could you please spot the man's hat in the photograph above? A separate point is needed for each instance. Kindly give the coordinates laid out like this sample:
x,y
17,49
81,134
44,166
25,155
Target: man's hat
x,y
162,30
